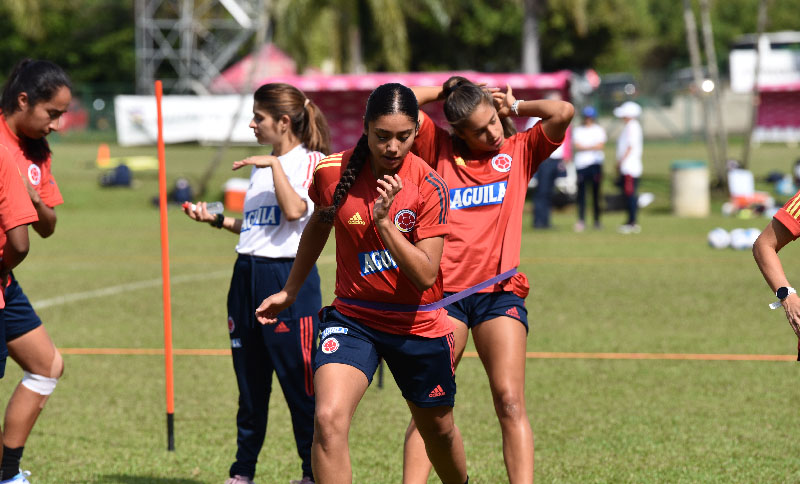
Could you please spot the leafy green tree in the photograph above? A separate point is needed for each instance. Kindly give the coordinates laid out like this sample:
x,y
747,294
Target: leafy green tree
x,y
93,40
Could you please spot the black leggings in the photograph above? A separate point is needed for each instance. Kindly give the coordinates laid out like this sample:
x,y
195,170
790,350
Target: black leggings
x,y
593,176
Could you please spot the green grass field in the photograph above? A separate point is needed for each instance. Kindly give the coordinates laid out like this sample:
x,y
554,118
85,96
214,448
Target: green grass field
x,y
595,420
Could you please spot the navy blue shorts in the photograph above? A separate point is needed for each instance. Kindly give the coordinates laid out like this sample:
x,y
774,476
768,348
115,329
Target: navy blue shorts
x,y
20,318
3,348
421,367
483,306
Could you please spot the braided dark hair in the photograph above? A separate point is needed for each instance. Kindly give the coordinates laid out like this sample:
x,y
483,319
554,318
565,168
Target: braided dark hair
x,y
307,121
391,98
461,98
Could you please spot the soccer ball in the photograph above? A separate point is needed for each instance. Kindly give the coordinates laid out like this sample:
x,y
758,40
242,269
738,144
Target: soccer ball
x,y
743,239
752,234
719,238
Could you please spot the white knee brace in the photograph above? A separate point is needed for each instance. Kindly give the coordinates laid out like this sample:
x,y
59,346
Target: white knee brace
x,y
39,384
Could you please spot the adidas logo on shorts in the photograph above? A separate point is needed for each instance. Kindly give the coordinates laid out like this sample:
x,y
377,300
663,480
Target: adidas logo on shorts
x,y
356,220
281,328
436,392
513,312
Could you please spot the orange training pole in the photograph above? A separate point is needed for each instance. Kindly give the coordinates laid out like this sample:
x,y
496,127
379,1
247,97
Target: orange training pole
x,y
162,205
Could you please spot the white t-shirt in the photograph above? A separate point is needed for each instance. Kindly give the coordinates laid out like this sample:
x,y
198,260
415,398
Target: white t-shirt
x,y
588,136
631,136
265,230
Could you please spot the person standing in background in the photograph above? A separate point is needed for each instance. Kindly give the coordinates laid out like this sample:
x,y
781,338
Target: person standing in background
x,y
629,162
590,139
547,173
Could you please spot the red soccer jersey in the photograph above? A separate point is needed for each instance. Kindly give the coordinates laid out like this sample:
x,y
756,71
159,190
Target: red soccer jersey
x,y
487,195
365,269
789,215
15,204
38,173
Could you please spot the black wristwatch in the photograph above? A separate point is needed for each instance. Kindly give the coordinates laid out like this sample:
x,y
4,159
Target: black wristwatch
x,y
217,222
783,292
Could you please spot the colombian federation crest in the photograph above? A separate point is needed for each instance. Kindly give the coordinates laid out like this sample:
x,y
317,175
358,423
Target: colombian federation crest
x,y
502,163
231,325
34,174
405,220
330,345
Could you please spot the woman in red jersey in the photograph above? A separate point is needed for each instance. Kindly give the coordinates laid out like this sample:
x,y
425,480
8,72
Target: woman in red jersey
x,y
36,95
390,211
488,175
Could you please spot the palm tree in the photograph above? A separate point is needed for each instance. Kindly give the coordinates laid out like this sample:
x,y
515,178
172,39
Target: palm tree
x,y
531,63
316,32
26,16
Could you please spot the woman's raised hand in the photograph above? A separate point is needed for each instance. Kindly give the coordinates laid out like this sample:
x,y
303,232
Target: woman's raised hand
x,y
503,102
388,187
261,161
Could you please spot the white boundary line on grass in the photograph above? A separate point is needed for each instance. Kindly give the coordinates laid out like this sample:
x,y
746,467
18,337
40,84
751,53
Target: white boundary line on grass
x,y
131,286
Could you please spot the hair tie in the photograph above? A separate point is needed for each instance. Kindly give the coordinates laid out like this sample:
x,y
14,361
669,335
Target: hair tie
x,y
305,103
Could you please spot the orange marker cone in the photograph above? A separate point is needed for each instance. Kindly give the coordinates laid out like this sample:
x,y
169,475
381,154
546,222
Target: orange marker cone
x,y
103,155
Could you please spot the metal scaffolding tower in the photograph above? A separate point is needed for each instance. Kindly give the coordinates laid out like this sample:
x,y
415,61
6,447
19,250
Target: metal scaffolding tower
x,y
187,43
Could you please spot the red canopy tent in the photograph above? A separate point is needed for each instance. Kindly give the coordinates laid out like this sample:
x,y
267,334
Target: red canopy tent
x,y
343,97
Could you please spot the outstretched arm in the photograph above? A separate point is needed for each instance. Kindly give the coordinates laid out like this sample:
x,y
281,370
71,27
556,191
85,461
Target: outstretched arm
x,y
292,205
765,251
313,240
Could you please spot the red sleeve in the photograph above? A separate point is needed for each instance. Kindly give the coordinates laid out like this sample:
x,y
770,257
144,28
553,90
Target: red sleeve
x,y
538,147
327,171
430,136
48,188
789,215
15,204
435,207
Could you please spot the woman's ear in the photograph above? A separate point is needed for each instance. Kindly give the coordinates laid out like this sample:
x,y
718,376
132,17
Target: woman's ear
x,y
285,123
22,101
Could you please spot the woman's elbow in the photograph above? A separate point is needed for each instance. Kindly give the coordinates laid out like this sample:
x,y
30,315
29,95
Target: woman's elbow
x,y
566,112
292,216
425,282
20,248
44,229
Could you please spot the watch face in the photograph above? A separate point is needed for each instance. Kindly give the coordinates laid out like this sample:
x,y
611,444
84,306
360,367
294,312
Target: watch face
x,y
782,292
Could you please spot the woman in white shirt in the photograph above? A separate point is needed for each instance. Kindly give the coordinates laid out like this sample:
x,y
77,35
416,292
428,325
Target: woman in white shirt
x,y
589,139
629,162
276,210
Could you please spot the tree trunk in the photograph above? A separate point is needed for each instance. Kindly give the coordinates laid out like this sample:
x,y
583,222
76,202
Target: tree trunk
x,y
761,25
721,138
531,63
697,71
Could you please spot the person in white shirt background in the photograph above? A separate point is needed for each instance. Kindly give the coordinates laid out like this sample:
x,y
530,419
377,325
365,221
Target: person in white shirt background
x,y
589,139
629,162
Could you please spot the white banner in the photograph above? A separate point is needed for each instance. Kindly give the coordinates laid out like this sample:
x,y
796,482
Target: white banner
x,y
778,68
205,119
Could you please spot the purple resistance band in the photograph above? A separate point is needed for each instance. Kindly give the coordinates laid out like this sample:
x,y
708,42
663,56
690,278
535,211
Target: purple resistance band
x,y
410,308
